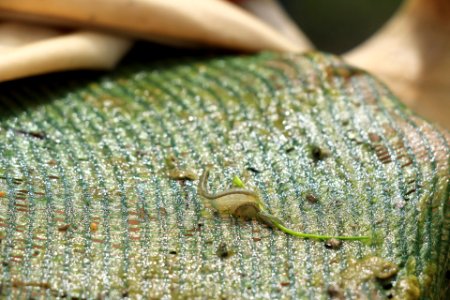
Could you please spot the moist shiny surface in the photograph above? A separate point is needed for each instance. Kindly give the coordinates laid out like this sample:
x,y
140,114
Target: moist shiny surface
x,y
87,209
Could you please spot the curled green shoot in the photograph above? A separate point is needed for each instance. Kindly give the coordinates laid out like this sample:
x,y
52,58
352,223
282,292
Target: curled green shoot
x,y
244,203
204,191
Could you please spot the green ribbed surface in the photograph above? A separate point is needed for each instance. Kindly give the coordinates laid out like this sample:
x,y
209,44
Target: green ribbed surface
x,y
94,152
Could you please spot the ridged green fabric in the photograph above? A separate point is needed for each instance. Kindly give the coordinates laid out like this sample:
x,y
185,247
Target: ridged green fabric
x,y
88,211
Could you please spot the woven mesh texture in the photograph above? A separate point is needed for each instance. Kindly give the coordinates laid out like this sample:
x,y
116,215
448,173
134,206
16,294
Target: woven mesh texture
x,y
87,209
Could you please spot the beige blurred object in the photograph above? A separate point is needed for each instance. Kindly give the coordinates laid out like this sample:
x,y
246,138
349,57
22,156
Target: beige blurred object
x,y
412,55
211,22
29,49
273,13
13,35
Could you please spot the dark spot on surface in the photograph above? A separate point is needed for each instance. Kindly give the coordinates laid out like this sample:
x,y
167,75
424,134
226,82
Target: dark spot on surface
x,y
289,146
254,170
52,162
318,153
173,252
196,228
311,198
334,244
289,150
223,251
34,134
63,294
408,163
410,192
387,286
256,239
141,153
335,292
17,181
285,283
63,228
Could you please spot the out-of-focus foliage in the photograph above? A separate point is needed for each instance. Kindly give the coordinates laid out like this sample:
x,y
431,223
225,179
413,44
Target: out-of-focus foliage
x,y
337,26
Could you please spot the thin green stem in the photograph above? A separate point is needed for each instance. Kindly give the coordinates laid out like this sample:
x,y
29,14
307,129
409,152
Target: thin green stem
x,y
318,236
272,221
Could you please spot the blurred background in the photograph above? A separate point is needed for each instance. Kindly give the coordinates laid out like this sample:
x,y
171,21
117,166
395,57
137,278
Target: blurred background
x,y
421,41
339,25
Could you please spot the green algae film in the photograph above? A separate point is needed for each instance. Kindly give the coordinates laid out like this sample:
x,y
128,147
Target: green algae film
x,y
329,149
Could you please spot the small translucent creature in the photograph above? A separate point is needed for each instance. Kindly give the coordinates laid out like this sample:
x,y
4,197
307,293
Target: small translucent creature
x,y
243,203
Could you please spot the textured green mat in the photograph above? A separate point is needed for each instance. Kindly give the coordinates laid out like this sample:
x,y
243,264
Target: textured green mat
x,y
87,209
